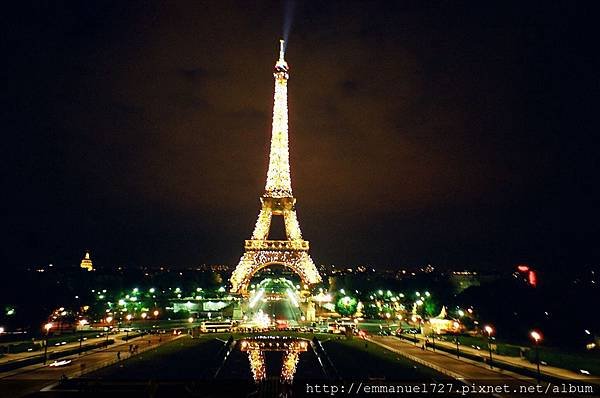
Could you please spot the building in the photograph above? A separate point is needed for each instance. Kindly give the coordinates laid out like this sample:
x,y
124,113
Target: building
x,y
86,263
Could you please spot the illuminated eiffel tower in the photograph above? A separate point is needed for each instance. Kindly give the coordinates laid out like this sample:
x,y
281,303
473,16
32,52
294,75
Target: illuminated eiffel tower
x,y
277,200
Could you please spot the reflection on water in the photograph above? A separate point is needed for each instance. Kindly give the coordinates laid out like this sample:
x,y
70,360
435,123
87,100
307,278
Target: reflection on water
x,y
288,368
256,348
257,364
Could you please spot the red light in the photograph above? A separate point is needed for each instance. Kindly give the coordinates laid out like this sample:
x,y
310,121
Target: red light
x,y
532,278
523,268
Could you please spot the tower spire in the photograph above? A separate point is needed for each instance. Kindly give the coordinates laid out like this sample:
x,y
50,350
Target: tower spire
x,y
281,65
279,182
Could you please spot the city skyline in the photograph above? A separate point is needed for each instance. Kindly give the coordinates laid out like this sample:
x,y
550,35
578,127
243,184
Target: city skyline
x,y
144,139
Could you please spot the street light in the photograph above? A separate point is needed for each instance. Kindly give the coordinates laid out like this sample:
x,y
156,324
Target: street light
x,y
128,317
155,313
108,321
388,315
47,326
537,337
82,323
456,330
489,330
190,321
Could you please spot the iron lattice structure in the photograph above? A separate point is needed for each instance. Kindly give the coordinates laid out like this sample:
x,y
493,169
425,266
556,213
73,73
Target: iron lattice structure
x,y
278,200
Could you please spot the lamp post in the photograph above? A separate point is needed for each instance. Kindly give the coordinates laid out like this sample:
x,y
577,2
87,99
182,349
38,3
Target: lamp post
x,y
144,316
537,337
457,349
387,316
82,322
190,321
433,338
456,326
489,330
128,317
47,326
108,321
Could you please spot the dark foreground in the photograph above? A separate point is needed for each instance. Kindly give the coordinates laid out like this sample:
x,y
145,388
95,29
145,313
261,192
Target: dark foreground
x,y
215,366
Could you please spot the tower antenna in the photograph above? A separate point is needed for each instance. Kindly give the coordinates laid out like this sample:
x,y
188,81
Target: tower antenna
x,y
281,49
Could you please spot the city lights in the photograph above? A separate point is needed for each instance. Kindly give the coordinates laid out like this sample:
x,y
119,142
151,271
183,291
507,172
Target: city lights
x,y
431,207
446,164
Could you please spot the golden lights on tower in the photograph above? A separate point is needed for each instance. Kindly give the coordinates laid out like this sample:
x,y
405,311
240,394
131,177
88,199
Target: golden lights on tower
x,y
279,182
277,200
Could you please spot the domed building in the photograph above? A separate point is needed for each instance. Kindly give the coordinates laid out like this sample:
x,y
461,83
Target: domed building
x,y
86,263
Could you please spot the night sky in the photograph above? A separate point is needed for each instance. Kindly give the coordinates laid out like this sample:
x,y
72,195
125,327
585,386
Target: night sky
x,y
456,134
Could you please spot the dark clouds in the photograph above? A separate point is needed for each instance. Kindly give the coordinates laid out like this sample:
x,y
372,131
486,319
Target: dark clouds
x,y
443,133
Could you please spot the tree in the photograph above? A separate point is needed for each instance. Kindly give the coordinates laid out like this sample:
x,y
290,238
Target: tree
x,y
346,306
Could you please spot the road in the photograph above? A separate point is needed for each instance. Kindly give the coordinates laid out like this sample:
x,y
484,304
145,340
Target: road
x,y
52,348
32,378
283,309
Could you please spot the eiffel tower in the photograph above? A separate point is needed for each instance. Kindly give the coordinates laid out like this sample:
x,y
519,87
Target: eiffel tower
x,y
277,200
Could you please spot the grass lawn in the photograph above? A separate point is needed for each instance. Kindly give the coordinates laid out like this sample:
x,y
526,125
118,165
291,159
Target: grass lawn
x,y
502,347
183,358
575,361
358,359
